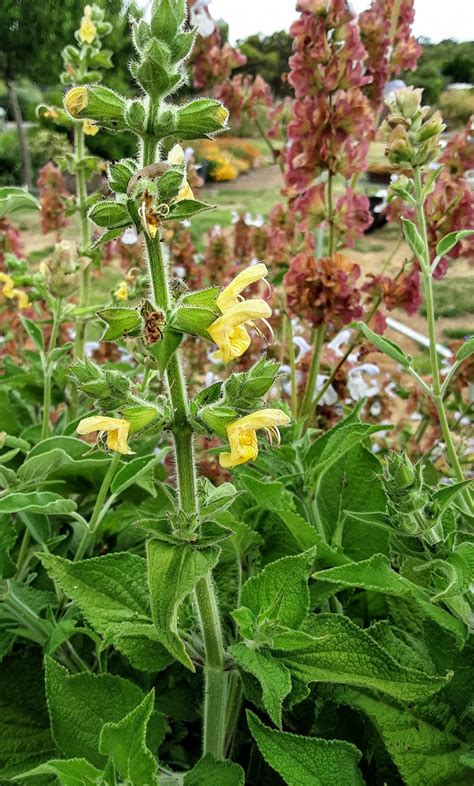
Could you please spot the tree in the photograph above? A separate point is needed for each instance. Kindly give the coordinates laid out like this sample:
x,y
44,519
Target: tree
x,y
32,35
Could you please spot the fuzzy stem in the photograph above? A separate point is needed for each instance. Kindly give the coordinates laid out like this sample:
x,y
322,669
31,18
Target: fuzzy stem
x,y
430,316
292,360
81,197
98,507
318,341
215,695
48,369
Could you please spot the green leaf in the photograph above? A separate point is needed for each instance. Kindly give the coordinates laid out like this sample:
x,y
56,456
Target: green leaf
x,y
71,772
414,239
125,743
44,502
111,592
186,208
423,753
34,332
41,466
281,590
444,496
164,350
81,704
8,536
336,650
135,470
211,772
173,572
385,345
13,198
273,676
307,761
449,241
25,736
377,575
120,321
466,350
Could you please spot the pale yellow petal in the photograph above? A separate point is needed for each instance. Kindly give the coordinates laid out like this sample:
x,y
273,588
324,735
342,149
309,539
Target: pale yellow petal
x,y
229,296
99,423
186,192
117,440
176,156
263,418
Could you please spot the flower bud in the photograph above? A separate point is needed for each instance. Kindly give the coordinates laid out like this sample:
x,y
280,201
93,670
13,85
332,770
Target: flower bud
x,y
164,22
108,213
95,102
432,128
134,116
216,418
120,173
61,270
400,470
200,117
140,417
120,321
244,389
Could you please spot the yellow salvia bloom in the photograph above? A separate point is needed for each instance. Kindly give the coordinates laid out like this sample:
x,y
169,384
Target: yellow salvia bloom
x,y
176,157
76,100
242,435
8,285
121,293
90,128
87,30
229,331
22,298
117,431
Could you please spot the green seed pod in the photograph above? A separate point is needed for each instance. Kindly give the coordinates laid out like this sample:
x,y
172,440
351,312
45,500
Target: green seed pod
x,y
140,417
95,102
120,321
201,117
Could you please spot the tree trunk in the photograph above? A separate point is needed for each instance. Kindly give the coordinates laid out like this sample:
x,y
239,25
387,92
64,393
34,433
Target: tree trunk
x,y
25,152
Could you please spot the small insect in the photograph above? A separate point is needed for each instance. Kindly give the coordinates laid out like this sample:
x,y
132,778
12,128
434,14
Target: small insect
x,y
154,322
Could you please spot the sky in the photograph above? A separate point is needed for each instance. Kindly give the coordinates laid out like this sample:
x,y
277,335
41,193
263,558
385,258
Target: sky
x,y
435,19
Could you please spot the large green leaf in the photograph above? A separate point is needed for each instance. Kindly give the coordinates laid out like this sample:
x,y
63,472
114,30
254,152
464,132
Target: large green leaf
x,y
273,676
423,753
111,592
25,736
77,461
377,575
13,198
8,536
81,704
307,761
44,502
173,572
280,591
125,742
70,772
336,650
211,772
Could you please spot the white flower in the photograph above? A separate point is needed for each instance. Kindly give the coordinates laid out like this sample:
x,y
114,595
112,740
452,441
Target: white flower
x,y
200,19
358,387
129,237
338,341
330,396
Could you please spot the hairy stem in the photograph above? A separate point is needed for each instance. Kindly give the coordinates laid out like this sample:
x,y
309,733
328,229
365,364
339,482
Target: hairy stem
x,y
48,369
431,320
215,695
81,197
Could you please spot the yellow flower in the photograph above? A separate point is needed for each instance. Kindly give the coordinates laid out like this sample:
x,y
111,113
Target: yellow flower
x,y
116,429
229,331
121,293
8,285
22,298
76,100
221,115
242,435
90,128
176,157
87,30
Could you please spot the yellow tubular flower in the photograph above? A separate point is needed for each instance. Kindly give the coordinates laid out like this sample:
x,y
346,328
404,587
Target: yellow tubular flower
x,y
8,286
22,298
229,331
90,128
116,429
242,435
76,100
87,30
176,157
121,293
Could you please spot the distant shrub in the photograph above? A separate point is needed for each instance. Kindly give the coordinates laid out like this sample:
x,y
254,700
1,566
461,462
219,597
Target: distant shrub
x,y
457,106
227,157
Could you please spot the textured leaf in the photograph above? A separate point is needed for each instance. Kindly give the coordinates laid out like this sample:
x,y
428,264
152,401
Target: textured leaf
x,y
423,753
377,575
186,208
414,239
25,736
173,572
466,350
125,743
333,445
41,466
281,589
307,761
211,772
13,198
449,241
352,484
135,470
8,536
336,650
34,331
44,502
70,772
111,592
273,676
81,704
444,496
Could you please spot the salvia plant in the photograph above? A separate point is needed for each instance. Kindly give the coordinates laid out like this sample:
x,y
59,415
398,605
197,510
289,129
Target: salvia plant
x,y
306,621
